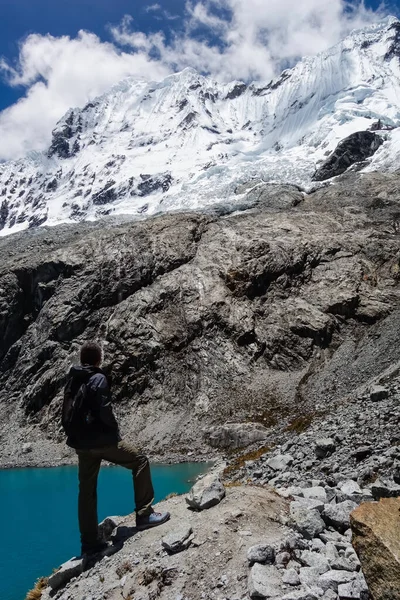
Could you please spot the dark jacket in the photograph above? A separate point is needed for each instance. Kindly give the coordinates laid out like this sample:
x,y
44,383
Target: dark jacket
x,y
101,428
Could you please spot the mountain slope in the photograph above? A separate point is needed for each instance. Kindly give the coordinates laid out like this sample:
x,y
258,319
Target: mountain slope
x,y
188,141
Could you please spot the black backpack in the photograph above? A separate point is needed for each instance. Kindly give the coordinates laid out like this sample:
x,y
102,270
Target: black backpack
x,y
74,409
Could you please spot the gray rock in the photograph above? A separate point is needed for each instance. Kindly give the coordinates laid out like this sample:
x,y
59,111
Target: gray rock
x,y
235,435
309,503
280,462
384,489
378,392
338,515
301,595
65,573
318,545
291,577
106,528
264,581
308,522
314,559
315,493
396,474
354,590
178,540
350,489
206,492
332,579
26,448
329,595
262,553
324,447
309,576
362,453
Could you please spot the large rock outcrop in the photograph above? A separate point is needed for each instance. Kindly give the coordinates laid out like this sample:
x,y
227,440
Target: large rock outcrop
x,y
353,149
256,317
376,539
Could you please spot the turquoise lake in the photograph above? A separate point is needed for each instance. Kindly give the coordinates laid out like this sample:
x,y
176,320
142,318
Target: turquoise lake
x,y
38,510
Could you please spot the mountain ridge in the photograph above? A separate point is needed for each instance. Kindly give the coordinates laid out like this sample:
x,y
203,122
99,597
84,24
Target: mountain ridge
x,y
188,142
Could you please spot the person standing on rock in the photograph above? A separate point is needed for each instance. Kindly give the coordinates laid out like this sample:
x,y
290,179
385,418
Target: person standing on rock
x,y
93,432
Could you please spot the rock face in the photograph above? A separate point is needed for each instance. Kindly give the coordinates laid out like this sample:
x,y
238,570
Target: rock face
x,y
265,317
376,539
353,149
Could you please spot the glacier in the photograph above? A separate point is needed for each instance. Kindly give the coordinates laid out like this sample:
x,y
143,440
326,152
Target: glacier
x,y
189,142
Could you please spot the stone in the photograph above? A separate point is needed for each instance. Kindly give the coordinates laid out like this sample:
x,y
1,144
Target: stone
x,y
315,493
301,595
350,488
65,573
106,527
396,474
307,522
376,539
264,581
291,577
314,559
178,540
308,503
207,492
262,553
382,489
309,576
26,448
324,447
378,392
235,435
329,595
280,462
332,579
362,453
354,590
338,515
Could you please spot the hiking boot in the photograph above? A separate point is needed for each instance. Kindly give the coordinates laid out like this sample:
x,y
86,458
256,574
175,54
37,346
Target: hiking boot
x,y
95,548
152,520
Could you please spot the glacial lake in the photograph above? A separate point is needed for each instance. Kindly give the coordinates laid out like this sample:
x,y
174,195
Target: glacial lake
x,y
38,509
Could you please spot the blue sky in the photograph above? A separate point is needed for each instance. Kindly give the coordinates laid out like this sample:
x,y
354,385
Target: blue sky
x,y
48,66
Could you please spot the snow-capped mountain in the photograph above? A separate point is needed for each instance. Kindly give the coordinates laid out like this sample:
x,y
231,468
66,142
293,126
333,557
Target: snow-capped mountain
x,y
188,141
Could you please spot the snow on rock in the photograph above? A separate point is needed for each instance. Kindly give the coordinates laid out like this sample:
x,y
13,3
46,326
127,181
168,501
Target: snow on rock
x,y
188,142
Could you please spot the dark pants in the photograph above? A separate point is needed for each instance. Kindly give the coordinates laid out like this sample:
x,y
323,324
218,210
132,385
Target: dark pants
x,y
124,455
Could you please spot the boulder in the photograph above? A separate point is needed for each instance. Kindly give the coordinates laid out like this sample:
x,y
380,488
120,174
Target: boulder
x,y
378,392
307,522
385,489
65,573
376,539
265,581
356,589
324,447
178,540
262,553
235,435
280,462
207,492
291,577
338,515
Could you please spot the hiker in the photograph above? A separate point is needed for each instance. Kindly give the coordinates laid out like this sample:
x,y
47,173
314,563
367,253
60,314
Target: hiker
x,y
92,430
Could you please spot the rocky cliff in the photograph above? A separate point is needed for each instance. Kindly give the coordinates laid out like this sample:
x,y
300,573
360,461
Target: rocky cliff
x,y
219,329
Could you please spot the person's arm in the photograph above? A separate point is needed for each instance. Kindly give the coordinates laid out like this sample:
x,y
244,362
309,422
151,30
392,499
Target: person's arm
x,y
101,401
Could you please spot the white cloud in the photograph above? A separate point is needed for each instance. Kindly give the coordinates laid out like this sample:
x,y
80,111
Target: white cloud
x,y
252,39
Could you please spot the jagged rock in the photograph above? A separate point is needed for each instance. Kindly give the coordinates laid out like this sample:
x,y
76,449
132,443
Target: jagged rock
x,y
362,452
65,573
315,493
262,553
332,579
338,515
314,559
376,539
291,577
324,447
206,492
301,595
280,462
350,489
307,522
265,581
354,148
235,435
178,540
396,474
309,503
107,526
354,590
384,489
378,392
26,448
